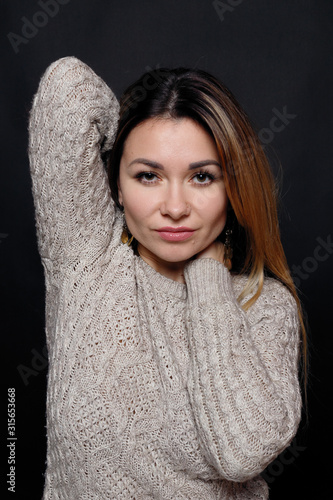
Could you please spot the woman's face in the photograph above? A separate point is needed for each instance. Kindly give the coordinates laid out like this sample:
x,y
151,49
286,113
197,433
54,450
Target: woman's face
x,y
171,186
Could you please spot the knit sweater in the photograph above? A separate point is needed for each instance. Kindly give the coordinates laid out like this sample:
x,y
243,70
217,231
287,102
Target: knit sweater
x,y
156,389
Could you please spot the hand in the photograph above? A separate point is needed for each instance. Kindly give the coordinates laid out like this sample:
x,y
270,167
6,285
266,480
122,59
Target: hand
x,y
214,251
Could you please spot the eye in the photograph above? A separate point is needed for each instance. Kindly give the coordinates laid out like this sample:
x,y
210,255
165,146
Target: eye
x,y
203,178
146,177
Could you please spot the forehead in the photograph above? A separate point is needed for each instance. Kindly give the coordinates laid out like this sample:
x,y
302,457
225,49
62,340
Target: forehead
x,y
167,139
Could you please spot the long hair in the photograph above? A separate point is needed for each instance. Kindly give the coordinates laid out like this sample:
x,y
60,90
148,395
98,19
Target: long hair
x,y
250,186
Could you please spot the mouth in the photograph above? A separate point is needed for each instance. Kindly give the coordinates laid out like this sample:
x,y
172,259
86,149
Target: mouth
x,y
180,233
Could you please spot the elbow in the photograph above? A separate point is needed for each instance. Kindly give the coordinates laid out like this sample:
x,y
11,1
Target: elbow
x,y
242,468
249,457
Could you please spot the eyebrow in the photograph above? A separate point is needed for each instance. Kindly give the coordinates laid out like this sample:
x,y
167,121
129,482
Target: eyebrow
x,y
159,166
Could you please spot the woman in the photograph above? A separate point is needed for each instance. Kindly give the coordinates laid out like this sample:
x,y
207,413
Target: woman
x,y
172,322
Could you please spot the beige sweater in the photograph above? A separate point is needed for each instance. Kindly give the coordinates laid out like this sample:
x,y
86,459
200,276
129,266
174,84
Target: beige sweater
x,y
156,389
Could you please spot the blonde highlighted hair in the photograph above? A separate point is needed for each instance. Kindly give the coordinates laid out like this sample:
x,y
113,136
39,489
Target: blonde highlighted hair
x,y
186,93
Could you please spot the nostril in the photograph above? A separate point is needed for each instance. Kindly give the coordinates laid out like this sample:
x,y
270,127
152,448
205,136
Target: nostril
x,y
175,210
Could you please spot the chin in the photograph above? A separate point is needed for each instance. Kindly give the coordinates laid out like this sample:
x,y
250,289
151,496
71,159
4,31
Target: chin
x,y
170,253
175,257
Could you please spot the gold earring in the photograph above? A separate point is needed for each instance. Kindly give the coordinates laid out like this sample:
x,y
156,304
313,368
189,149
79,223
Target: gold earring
x,y
227,258
126,236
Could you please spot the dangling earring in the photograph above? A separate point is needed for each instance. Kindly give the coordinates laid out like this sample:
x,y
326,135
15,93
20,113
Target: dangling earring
x,y
227,258
126,236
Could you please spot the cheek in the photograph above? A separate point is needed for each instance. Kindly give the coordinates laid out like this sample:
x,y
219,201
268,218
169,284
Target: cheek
x,y
212,203
138,206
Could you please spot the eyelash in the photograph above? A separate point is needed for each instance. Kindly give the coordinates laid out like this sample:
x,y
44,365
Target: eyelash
x,y
212,177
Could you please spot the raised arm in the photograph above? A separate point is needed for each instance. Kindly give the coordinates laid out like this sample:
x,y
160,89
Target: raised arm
x,y
243,379
73,119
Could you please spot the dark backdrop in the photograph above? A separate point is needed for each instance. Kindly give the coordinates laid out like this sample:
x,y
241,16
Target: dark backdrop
x,y
276,58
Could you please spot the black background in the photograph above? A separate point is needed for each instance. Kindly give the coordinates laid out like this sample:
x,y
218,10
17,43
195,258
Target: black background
x,y
276,58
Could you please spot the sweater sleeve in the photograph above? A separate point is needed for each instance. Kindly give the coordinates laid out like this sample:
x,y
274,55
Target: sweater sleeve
x,y
243,379
72,121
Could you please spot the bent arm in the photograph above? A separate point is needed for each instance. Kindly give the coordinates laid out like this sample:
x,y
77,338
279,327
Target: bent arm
x,y
243,380
73,119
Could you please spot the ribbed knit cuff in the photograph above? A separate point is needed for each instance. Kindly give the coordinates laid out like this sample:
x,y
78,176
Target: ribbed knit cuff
x,y
207,280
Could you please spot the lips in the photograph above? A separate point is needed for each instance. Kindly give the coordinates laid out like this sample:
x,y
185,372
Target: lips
x,y
180,233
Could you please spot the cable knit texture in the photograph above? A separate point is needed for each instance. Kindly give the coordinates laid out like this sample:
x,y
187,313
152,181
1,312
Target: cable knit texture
x,y
156,389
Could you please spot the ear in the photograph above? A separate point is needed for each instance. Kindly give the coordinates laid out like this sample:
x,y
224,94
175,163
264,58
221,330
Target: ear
x,y
120,194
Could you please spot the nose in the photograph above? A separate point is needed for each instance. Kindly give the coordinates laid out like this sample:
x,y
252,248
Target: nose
x,y
175,204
